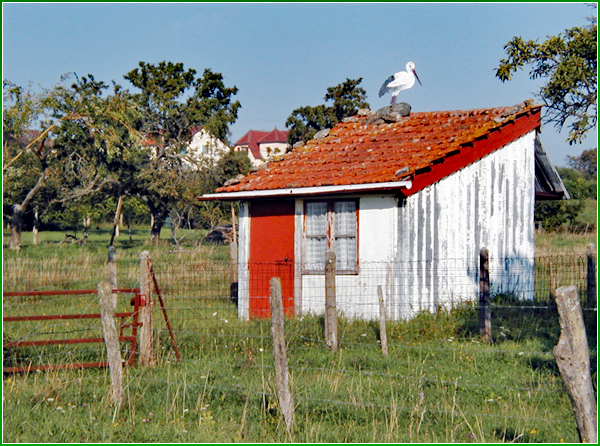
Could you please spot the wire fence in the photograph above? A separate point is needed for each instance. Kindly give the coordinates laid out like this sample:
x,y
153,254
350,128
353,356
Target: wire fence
x,y
202,300
203,306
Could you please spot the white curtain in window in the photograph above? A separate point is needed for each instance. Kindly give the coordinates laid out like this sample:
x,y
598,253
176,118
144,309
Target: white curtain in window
x,y
316,235
345,235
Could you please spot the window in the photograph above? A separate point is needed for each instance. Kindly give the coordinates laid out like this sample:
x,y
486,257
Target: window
x,y
331,224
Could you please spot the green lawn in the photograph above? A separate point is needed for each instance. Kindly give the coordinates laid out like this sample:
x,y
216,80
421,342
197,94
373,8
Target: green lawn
x,y
439,383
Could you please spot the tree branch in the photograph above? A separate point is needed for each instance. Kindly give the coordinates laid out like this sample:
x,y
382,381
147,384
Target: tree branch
x,y
91,188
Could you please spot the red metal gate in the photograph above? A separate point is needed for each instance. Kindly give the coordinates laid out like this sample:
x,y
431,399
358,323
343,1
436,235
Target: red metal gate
x,y
137,301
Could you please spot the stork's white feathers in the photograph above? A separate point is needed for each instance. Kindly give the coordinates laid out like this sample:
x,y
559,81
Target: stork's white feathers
x,y
402,80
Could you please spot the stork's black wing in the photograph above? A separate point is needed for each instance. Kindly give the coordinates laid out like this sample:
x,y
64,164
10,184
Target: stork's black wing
x,y
384,88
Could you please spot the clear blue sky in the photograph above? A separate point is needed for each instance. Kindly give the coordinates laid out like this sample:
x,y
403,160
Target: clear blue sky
x,y
285,55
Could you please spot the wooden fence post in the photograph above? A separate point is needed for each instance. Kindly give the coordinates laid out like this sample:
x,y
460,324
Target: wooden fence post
x,y
573,359
233,271
330,302
145,312
108,305
286,402
382,318
485,310
592,286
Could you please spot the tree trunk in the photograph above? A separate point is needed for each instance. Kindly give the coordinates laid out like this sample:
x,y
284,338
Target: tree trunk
x,y
36,229
16,226
115,231
158,220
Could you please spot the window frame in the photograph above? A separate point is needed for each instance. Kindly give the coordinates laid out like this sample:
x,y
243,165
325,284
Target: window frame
x,y
330,236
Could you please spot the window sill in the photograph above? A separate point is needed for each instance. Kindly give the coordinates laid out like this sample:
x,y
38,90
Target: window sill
x,y
345,272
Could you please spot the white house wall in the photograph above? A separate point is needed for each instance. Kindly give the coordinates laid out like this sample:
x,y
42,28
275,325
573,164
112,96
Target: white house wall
x,y
356,295
272,149
442,229
216,149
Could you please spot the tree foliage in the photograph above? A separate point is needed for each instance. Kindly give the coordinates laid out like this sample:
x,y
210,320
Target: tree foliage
x,y
347,98
569,63
72,150
578,213
586,163
77,131
176,103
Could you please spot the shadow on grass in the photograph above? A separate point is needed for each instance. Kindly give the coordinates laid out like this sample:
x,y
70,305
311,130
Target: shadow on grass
x,y
519,322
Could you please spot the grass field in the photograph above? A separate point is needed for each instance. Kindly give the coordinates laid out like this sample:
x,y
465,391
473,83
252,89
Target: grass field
x,y
439,383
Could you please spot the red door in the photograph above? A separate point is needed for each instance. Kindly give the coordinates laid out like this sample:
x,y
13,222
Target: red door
x,y
271,254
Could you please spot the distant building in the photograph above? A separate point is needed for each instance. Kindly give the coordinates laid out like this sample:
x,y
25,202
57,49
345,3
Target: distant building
x,y
204,146
262,145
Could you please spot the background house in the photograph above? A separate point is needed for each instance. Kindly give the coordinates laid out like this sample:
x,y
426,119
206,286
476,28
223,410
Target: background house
x,y
405,205
262,145
204,146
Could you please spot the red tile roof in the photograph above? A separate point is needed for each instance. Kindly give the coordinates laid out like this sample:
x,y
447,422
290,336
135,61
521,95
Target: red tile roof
x,y
252,139
423,147
275,136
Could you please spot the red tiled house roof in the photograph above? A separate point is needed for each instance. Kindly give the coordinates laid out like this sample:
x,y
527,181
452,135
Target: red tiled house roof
x,y
275,136
422,147
251,139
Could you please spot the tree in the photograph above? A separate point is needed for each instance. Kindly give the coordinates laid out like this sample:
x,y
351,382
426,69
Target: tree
x,y
305,122
347,98
175,102
569,61
578,213
79,132
228,167
586,163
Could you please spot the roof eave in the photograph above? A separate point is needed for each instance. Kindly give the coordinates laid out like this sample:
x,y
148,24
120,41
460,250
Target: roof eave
x,y
309,191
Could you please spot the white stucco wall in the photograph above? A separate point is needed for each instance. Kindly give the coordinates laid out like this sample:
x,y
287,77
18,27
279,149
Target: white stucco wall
x,y
271,149
356,294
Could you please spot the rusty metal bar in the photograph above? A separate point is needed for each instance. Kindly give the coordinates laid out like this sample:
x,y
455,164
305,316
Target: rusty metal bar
x,y
62,341
65,292
59,316
164,310
132,339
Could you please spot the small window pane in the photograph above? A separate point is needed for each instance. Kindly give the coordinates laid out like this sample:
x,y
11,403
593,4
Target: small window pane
x,y
315,253
316,219
345,235
345,218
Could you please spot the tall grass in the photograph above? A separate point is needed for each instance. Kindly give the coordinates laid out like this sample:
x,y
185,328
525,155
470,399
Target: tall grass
x,y
439,383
